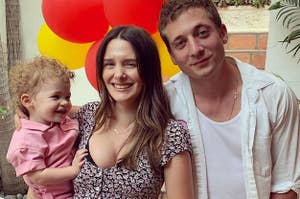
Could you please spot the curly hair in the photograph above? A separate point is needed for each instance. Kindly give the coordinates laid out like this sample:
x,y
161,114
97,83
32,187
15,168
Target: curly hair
x,y
172,9
27,78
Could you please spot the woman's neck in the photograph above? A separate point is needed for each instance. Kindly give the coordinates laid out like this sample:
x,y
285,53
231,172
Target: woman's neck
x,y
123,116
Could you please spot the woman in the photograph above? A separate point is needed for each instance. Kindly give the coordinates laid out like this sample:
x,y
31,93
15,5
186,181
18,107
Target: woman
x,y
133,142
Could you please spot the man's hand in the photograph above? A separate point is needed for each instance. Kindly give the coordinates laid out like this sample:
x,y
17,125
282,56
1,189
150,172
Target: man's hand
x,y
288,195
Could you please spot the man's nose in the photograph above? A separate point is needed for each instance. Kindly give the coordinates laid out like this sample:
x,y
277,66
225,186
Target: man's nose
x,y
195,47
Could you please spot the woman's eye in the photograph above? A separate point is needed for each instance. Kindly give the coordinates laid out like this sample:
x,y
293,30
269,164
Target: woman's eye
x,y
131,65
108,65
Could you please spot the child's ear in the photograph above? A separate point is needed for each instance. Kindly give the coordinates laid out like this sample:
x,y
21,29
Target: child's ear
x,y
26,100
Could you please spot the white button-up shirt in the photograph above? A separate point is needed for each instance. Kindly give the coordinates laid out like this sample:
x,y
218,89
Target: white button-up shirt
x,y
270,124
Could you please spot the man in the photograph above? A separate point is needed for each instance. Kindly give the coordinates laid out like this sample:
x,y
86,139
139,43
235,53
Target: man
x,y
244,123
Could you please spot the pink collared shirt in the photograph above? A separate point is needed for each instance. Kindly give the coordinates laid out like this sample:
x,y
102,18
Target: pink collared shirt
x,y
38,146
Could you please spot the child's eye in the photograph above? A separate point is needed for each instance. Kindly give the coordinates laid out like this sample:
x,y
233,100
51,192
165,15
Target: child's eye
x,y
55,97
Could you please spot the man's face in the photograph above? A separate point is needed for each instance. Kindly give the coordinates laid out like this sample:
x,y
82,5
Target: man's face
x,y
196,45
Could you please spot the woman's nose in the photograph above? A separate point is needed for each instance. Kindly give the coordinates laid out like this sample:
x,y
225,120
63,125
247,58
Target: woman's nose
x,y
120,74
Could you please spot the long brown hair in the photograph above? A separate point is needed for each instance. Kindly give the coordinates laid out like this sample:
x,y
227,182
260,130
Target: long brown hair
x,y
153,112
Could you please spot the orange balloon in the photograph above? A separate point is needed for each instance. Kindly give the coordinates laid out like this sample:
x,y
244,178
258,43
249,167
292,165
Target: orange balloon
x,y
68,53
168,67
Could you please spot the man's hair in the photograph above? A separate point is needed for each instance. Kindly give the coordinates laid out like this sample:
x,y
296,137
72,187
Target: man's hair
x,y
153,112
27,78
172,9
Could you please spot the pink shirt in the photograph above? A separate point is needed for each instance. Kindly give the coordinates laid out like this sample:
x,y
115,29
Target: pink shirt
x,y
38,146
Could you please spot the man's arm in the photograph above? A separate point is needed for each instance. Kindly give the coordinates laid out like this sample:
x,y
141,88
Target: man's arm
x,y
285,147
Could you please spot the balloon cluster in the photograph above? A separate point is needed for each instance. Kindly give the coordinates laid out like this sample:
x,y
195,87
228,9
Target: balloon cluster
x,y
74,29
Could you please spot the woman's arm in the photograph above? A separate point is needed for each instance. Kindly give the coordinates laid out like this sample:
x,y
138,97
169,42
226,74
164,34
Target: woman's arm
x,y
49,176
179,178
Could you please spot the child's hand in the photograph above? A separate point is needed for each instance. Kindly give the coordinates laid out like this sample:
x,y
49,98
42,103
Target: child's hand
x,y
79,159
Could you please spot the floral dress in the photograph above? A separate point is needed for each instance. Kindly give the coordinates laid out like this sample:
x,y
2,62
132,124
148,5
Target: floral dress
x,y
117,181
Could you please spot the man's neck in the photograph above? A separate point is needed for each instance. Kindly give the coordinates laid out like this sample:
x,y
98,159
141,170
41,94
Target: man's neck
x,y
219,97
217,85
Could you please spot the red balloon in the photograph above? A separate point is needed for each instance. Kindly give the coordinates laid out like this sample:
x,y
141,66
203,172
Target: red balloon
x,y
76,20
133,12
90,64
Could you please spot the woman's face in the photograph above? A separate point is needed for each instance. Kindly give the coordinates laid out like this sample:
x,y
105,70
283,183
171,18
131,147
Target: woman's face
x,y
120,72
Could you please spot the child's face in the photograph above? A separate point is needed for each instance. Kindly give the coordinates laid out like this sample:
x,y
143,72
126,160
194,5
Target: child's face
x,y
52,102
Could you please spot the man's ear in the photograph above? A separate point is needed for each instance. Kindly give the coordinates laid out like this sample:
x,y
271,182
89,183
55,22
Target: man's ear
x,y
26,100
224,33
172,57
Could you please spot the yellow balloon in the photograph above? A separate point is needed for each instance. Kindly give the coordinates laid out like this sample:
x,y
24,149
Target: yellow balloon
x,y
68,53
168,67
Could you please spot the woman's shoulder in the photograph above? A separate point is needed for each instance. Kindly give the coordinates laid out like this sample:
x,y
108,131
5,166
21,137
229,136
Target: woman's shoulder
x,y
90,106
176,125
177,139
177,130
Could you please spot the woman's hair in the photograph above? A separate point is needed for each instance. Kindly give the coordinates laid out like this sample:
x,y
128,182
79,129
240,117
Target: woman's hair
x,y
153,112
172,9
27,78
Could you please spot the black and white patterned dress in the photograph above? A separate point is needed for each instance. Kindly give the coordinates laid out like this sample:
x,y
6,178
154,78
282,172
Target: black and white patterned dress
x,y
117,181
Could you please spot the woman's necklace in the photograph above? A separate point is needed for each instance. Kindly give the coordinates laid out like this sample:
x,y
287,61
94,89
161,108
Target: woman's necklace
x,y
123,131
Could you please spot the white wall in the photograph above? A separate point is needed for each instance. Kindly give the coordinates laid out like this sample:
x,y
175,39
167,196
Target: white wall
x,y
278,61
2,24
31,21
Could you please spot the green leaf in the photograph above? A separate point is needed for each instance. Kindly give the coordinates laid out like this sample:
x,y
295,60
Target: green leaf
x,y
275,6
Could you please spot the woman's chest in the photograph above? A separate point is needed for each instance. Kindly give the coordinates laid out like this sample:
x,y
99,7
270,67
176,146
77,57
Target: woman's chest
x,y
118,181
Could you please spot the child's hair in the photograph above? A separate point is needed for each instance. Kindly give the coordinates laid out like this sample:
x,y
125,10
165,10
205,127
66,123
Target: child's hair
x,y
28,78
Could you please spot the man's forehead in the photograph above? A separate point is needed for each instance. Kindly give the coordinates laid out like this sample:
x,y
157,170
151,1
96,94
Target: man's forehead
x,y
186,22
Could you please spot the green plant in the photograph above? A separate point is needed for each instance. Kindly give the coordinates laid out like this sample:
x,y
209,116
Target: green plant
x,y
254,3
289,13
3,112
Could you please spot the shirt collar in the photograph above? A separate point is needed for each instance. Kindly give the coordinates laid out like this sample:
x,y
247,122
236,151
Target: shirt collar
x,y
65,125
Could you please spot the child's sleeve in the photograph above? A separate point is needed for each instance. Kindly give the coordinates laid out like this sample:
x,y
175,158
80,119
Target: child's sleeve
x,y
26,152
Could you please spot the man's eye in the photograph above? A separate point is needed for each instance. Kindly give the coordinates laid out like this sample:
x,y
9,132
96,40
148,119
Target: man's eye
x,y
202,33
179,44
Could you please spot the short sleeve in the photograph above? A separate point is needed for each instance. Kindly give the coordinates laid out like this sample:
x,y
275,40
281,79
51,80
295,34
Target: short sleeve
x,y
86,119
27,152
86,111
177,140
